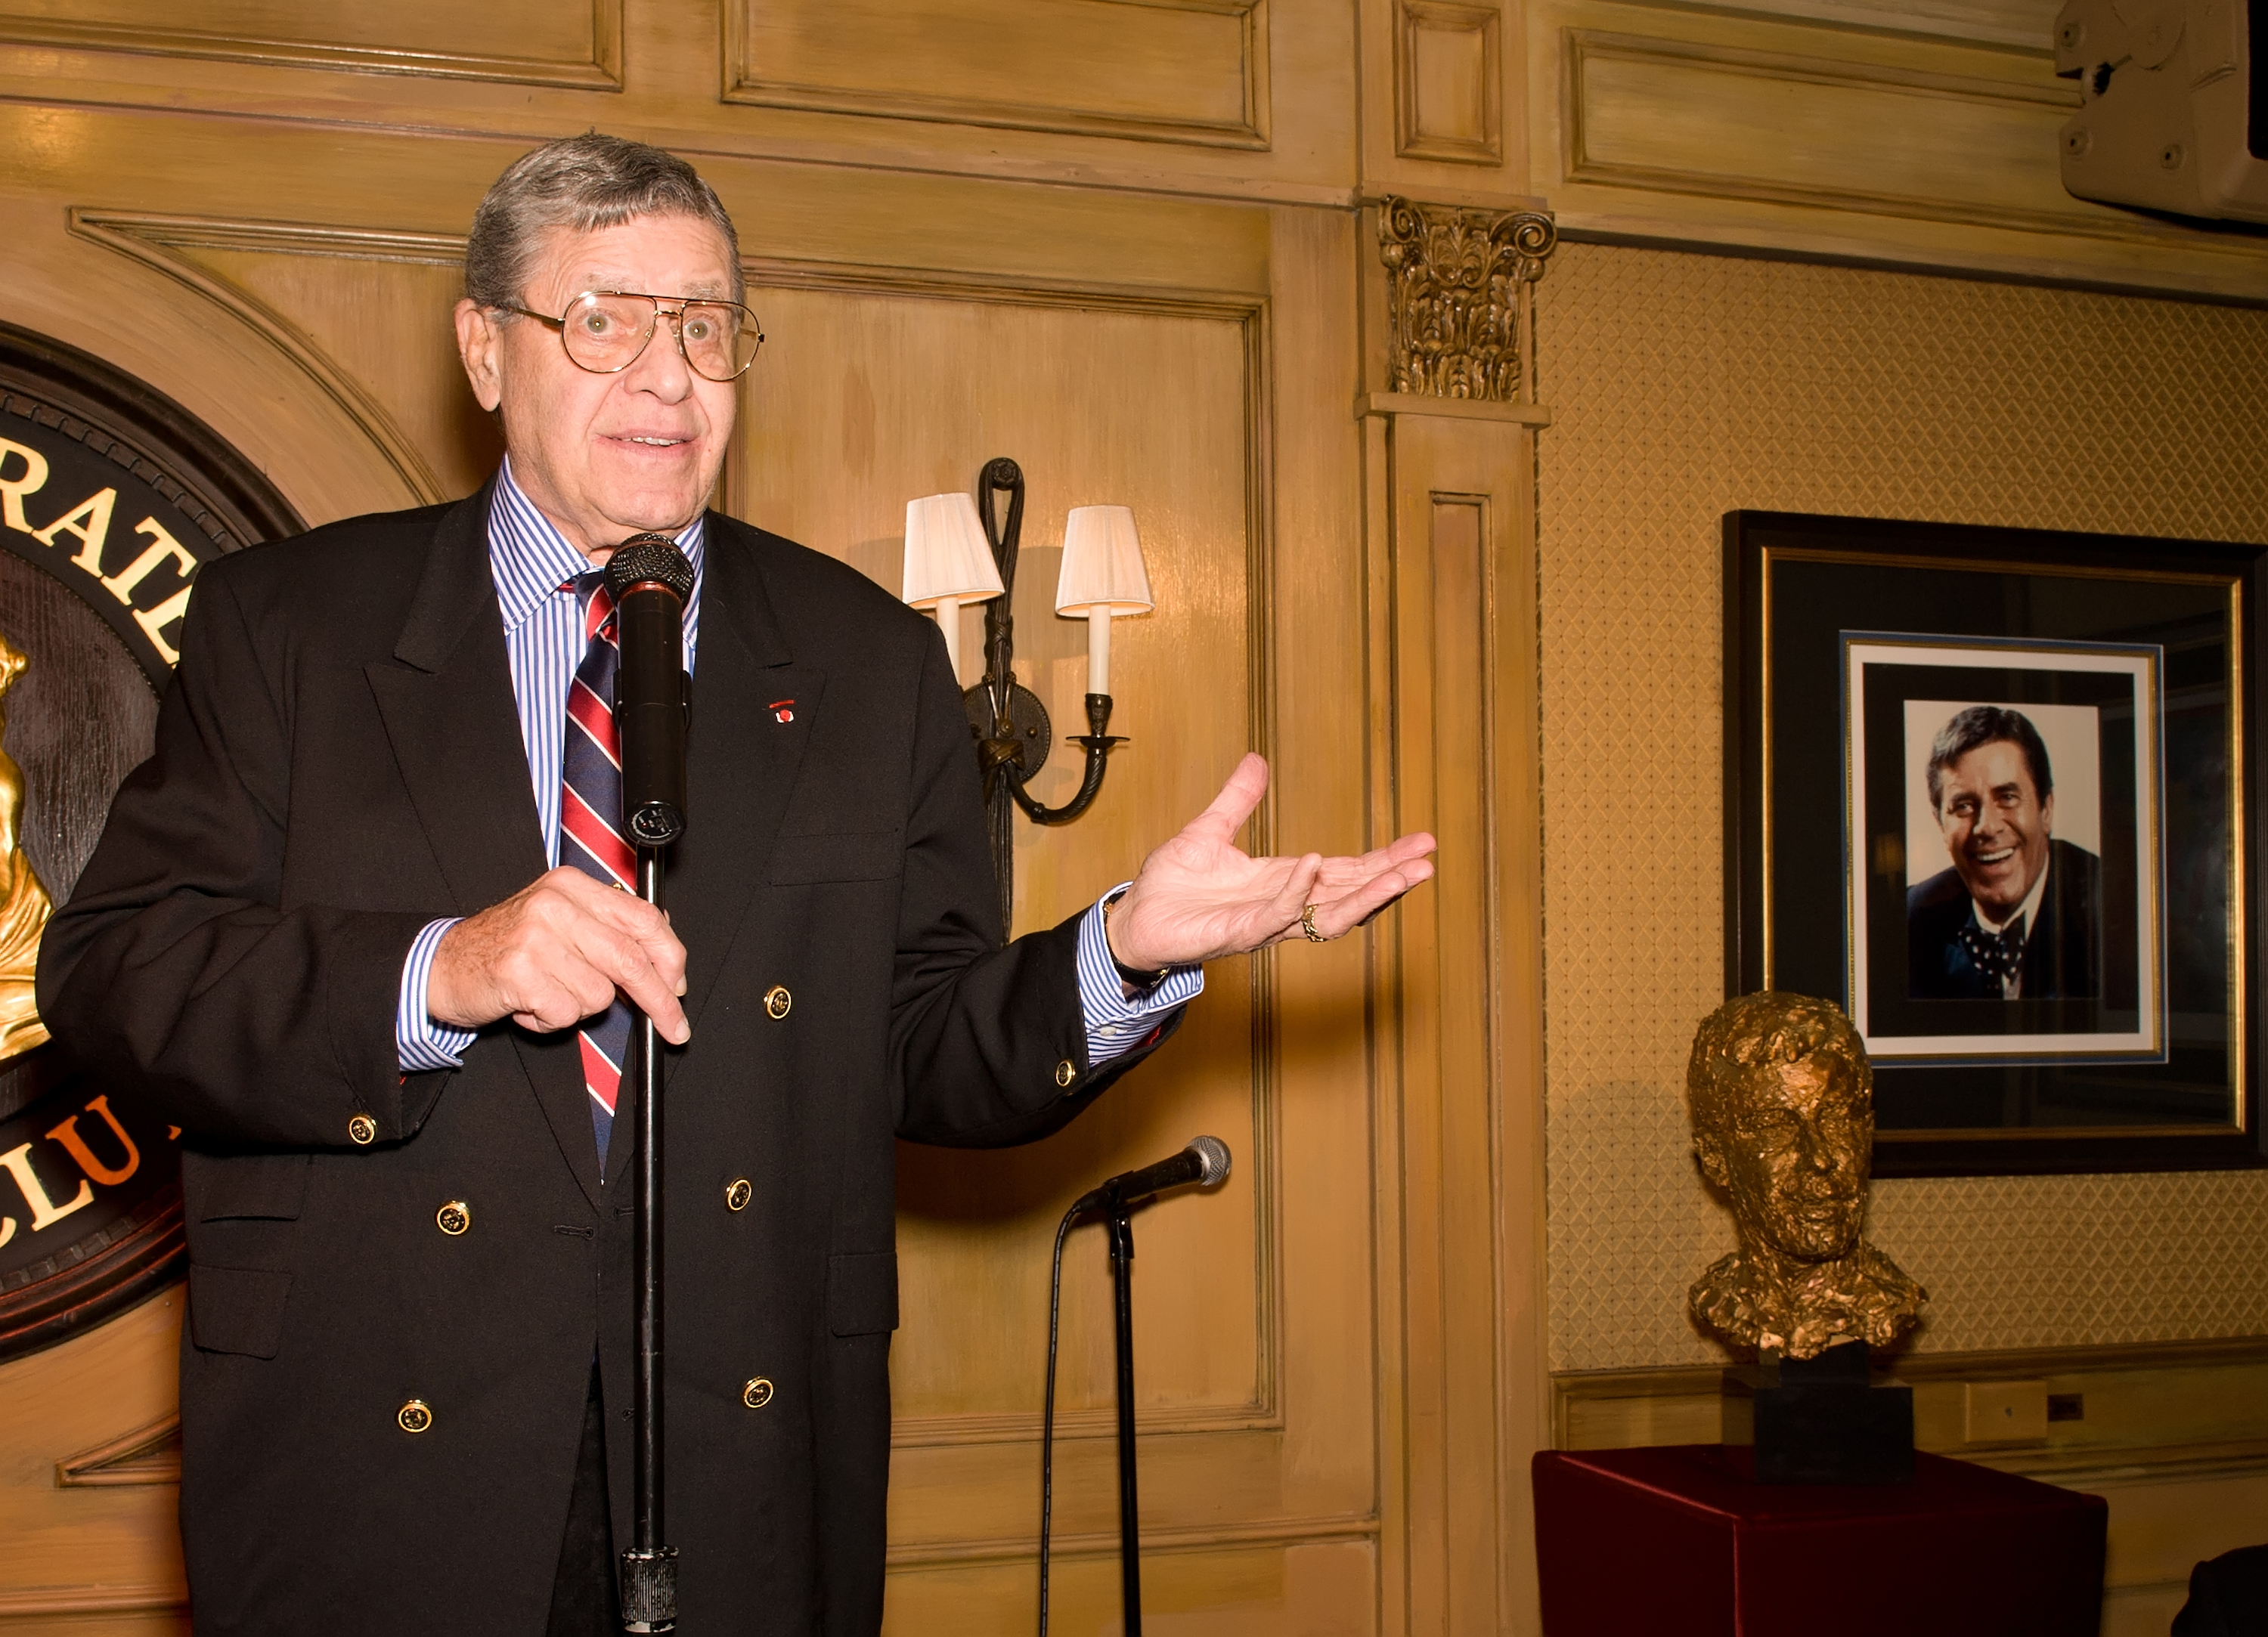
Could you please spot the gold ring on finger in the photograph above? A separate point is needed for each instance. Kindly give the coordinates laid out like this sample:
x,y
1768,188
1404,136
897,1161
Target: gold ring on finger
x,y
1307,926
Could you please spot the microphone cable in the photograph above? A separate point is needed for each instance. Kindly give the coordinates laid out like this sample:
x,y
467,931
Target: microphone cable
x,y
1048,1414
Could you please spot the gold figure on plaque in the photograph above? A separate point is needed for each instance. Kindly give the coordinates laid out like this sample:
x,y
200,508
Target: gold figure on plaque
x,y
1782,1098
23,903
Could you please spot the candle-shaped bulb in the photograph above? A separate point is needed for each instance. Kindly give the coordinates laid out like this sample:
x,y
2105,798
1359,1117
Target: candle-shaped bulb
x,y
1102,576
948,562
1097,650
948,620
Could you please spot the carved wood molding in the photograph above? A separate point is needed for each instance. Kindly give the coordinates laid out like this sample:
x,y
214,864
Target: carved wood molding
x,y
2161,1429
35,1602
1292,1531
148,1455
2203,1354
1680,1380
1789,66
1012,290
1425,131
158,241
750,77
1460,298
1708,174
1460,1124
912,1432
1454,408
282,239
602,71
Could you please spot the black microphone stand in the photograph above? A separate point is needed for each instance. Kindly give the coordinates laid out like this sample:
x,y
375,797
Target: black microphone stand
x,y
1204,1164
651,579
1121,1228
649,1589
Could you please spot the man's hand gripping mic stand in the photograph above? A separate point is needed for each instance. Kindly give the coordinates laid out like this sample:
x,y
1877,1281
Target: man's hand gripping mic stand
x,y
651,580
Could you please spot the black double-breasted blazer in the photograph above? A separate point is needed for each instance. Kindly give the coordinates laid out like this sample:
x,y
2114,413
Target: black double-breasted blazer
x,y
338,762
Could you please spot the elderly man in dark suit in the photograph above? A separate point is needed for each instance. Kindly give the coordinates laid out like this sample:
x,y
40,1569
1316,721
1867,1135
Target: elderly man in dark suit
x,y
2019,916
354,929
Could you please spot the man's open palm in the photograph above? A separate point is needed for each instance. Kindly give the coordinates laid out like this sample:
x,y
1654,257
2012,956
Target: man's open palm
x,y
1200,897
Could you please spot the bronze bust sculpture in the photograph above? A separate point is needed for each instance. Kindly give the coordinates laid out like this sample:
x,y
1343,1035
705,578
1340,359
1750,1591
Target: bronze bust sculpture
x,y
1782,1099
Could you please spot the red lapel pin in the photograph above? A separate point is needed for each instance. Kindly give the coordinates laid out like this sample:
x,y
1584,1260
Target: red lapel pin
x,y
780,710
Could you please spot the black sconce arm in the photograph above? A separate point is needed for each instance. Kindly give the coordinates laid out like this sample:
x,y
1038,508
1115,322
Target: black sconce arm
x,y
1098,746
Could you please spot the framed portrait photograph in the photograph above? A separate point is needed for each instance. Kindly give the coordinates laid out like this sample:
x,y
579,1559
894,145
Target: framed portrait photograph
x,y
1990,791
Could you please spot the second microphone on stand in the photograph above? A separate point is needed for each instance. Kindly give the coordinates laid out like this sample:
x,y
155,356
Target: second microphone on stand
x,y
1204,1163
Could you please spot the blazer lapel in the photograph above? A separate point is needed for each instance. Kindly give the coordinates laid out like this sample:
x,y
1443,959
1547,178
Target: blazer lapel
x,y
447,704
753,712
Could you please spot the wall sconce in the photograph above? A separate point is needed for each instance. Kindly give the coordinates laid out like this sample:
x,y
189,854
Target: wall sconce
x,y
948,562
1102,579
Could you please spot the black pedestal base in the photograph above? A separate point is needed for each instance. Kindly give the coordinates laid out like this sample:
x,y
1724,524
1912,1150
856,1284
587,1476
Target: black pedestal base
x,y
1822,1421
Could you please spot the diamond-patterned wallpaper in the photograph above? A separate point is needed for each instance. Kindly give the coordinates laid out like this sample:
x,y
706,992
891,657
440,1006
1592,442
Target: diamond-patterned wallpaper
x,y
1683,385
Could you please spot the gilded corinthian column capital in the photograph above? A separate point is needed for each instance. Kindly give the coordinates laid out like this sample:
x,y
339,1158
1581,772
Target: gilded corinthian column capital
x,y
1459,293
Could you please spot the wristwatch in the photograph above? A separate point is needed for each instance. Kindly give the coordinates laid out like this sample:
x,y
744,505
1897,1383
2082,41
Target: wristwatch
x,y
1131,975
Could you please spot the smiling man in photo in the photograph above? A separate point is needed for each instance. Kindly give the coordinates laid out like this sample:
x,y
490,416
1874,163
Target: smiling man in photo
x,y
2019,915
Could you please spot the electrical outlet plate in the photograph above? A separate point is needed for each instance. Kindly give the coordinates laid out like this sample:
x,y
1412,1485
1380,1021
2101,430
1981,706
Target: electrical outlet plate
x,y
2007,1411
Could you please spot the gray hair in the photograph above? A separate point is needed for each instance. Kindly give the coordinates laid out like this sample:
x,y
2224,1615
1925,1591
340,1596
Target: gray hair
x,y
1988,724
582,183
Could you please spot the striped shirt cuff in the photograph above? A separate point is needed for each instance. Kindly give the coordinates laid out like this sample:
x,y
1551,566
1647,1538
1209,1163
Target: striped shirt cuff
x,y
1115,1024
422,1043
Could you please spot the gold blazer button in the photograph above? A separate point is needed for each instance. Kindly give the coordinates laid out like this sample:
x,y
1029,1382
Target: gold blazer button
x,y
757,1393
362,1129
737,1192
415,1416
455,1217
1066,1073
777,1000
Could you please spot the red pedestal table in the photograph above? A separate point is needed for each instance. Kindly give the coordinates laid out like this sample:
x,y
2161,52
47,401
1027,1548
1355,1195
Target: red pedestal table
x,y
1682,1539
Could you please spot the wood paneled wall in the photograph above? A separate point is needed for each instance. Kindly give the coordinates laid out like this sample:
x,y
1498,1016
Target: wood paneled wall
x,y
1461,1209
1119,243
1920,135
1127,244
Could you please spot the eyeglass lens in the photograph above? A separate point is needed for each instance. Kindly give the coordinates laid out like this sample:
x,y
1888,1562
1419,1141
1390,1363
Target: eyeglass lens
x,y
606,333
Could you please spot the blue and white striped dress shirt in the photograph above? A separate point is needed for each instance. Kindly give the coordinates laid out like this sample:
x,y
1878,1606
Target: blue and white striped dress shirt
x,y
532,562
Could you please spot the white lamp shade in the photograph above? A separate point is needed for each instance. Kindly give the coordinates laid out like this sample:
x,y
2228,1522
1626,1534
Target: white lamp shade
x,y
1102,570
946,552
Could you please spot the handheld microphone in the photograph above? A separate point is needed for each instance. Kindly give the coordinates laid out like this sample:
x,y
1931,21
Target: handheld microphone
x,y
1204,1163
651,580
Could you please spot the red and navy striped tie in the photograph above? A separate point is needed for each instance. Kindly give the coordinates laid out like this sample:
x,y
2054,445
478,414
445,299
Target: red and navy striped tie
x,y
590,825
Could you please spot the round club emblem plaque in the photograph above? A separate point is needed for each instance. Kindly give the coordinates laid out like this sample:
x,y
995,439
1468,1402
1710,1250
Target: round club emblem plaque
x,y
111,496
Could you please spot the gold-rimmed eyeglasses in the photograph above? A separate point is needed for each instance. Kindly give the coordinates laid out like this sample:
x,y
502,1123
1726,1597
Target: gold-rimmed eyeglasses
x,y
605,331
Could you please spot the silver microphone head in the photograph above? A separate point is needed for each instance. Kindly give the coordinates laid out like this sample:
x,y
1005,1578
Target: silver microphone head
x,y
1213,1161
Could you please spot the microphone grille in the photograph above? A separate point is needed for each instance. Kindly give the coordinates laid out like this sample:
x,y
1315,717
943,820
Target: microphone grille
x,y
1213,1161
650,557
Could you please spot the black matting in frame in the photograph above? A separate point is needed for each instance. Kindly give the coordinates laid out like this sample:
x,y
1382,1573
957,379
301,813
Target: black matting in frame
x,y
2141,655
